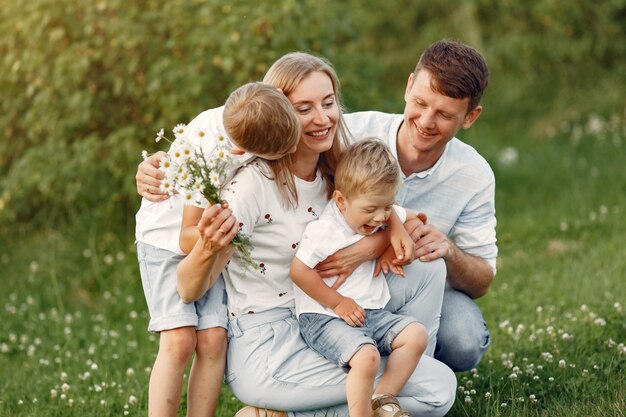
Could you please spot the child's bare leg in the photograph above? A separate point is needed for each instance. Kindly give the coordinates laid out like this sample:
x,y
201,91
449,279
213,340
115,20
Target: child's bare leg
x,y
176,347
408,347
360,381
207,372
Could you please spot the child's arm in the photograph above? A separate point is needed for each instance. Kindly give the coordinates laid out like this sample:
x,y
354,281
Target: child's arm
x,y
343,262
189,234
401,241
389,260
311,283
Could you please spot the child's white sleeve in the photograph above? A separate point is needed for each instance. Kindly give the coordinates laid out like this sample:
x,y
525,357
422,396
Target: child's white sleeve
x,y
401,212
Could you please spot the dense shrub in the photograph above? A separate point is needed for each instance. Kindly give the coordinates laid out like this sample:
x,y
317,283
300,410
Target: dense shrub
x,y
91,82
85,84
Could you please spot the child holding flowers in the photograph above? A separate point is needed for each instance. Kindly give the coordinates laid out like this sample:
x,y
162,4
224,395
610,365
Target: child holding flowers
x,y
349,325
200,327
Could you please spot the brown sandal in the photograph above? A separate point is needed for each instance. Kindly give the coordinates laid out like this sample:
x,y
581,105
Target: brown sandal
x,y
386,399
250,411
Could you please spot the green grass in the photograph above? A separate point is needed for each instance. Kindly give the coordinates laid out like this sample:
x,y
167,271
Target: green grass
x,y
73,339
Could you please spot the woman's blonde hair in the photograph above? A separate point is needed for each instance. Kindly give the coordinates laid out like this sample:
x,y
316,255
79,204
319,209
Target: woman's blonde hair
x,y
287,73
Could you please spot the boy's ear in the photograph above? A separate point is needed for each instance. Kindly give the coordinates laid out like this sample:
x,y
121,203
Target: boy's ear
x,y
237,151
340,200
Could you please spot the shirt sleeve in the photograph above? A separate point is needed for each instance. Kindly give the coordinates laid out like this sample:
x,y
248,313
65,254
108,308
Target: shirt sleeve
x,y
315,245
475,230
401,212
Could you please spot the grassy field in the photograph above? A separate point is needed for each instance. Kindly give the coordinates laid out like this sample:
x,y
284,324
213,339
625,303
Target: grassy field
x,y
73,339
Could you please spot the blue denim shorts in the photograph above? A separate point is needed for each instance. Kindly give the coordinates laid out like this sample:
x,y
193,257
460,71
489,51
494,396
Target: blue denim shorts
x,y
167,310
337,341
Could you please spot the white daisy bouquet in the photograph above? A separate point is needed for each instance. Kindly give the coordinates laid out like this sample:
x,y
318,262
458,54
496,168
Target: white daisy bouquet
x,y
200,176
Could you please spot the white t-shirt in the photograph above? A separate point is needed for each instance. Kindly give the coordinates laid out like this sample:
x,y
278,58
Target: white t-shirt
x,y
158,224
275,232
322,239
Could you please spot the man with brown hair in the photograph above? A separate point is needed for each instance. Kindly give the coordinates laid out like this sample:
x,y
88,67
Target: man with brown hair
x,y
453,185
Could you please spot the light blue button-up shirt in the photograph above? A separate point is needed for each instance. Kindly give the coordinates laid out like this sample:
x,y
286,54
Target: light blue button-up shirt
x,y
457,193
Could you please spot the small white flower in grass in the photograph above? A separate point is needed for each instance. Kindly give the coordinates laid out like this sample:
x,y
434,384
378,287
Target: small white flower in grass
x,y
460,389
20,402
179,130
532,398
103,402
130,372
487,395
132,400
468,400
551,379
160,135
584,308
513,377
617,307
562,363
65,387
567,336
503,405
53,394
70,402
63,376
97,388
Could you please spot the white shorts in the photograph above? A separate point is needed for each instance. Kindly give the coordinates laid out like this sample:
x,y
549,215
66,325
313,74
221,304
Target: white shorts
x,y
167,310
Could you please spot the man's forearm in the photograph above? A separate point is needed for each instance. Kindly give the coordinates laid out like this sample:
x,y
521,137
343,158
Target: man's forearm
x,y
467,273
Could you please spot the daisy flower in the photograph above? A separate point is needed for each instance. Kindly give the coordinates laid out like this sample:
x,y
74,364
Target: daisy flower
x,y
179,130
201,133
160,135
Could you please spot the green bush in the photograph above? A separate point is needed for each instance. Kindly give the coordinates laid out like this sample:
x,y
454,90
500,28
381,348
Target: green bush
x,y
91,83
87,84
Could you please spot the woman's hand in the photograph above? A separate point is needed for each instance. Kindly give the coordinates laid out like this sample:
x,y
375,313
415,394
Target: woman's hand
x,y
350,312
149,178
217,228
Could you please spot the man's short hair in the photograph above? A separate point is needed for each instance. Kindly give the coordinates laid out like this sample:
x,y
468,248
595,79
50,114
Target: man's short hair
x,y
457,70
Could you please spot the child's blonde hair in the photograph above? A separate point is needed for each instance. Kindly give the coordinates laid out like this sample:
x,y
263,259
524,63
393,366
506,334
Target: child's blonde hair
x,y
260,120
367,167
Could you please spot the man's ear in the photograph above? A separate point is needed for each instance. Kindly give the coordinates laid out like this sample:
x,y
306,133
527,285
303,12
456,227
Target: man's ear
x,y
340,200
471,117
409,85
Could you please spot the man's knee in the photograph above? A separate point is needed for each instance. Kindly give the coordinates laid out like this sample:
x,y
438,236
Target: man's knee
x,y
462,342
